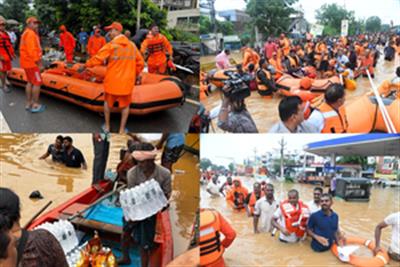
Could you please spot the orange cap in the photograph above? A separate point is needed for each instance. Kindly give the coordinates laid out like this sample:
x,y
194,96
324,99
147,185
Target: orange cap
x,y
115,25
63,28
32,19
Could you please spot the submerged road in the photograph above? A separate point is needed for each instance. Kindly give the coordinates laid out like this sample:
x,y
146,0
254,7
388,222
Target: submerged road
x,y
64,117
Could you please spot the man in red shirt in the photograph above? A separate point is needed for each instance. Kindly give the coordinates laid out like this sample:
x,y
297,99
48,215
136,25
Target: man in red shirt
x,y
67,42
269,48
6,54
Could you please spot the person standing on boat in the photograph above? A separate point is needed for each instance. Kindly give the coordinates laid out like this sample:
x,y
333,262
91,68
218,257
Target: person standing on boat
x,y
144,232
35,248
125,63
72,156
67,42
323,226
6,54
30,54
158,49
172,149
392,220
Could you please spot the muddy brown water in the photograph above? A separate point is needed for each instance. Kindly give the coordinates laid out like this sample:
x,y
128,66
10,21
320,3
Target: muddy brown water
x,y
355,219
265,111
23,172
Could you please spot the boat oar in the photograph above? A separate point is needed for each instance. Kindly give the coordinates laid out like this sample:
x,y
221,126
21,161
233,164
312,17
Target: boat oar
x,y
184,68
385,115
79,213
37,214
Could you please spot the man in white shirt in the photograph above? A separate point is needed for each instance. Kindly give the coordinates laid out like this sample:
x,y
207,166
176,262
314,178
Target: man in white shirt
x,y
341,61
212,187
392,220
264,211
314,205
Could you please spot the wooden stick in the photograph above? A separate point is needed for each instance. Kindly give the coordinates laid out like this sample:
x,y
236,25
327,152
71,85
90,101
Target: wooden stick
x,y
37,214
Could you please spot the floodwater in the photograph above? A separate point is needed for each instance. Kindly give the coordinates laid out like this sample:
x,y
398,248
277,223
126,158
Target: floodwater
x,y
265,111
23,172
355,219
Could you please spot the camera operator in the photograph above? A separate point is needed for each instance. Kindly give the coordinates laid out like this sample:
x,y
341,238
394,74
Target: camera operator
x,y
233,116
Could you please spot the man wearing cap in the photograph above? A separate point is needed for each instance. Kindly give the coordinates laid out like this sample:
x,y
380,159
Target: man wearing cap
x,y
125,63
67,42
31,61
6,54
158,49
96,42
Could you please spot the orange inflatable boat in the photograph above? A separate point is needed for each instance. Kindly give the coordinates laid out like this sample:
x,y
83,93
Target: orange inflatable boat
x,y
364,115
217,77
306,88
155,93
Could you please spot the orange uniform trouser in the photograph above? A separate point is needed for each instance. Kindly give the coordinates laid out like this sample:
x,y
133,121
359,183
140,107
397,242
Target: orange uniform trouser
x,y
160,68
69,55
218,263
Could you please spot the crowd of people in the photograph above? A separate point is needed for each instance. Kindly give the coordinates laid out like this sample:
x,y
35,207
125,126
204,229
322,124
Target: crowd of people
x,y
124,61
305,59
293,218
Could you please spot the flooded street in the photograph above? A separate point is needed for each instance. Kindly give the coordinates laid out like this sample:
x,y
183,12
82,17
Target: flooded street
x,y
355,219
23,172
265,111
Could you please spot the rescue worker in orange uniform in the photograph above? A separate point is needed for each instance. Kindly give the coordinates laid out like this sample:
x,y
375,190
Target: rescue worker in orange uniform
x,y
237,195
249,57
67,42
96,42
6,54
125,63
367,63
276,62
158,49
329,115
31,61
265,78
284,44
212,248
291,218
252,198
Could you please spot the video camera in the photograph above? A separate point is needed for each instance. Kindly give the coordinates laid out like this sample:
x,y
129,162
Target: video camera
x,y
236,87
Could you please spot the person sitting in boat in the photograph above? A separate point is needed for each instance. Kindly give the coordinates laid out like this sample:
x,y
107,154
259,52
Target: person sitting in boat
x,y
392,220
341,61
291,114
56,150
124,65
329,115
323,226
252,198
212,248
265,78
291,218
292,62
276,62
237,195
8,245
174,143
35,248
72,157
249,57
144,232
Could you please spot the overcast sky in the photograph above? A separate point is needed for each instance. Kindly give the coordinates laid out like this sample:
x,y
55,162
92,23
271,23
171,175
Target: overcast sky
x,y
241,146
386,9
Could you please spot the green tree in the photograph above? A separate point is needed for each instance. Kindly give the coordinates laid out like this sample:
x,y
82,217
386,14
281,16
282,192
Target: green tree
x,y
205,163
224,27
373,24
231,167
14,9
270,16
385,27
363,161
331,16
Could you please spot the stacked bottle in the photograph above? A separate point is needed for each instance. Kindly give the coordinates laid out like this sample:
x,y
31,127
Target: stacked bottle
x,y
142,201
64,232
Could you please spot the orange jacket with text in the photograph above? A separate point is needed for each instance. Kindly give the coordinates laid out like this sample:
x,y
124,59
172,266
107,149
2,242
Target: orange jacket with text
x,y
157,47
212,224
250,57
237,196
295,217
29,49
6,48
67,41
124,63
95,44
